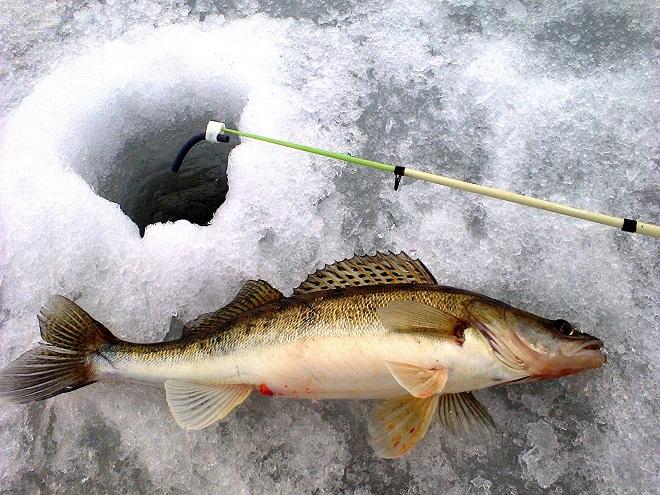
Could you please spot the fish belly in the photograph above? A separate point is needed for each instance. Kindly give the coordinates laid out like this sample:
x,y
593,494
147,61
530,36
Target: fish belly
x,y
355,368
327,368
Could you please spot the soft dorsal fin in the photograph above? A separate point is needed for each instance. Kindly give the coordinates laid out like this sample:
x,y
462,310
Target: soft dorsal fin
x,y
253,294
380,269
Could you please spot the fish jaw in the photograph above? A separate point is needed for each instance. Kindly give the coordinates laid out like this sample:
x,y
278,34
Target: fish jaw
x,y
571,359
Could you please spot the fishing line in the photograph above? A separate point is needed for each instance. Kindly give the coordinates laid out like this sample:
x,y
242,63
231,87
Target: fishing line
x,y
217,132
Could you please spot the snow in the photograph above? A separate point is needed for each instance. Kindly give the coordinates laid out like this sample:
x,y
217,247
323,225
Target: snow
x,y
554,100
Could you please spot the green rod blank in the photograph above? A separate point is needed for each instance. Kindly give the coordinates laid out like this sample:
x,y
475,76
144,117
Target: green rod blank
x,y
316,151
621,223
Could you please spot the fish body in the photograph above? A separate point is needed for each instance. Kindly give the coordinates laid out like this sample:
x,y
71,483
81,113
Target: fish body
x,y
324,345
376,327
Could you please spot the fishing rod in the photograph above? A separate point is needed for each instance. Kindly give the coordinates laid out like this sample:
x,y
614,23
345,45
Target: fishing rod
x,y
218,132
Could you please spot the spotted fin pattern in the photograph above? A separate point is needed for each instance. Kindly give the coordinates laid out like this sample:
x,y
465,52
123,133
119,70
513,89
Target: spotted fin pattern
x,y
396,425
380,269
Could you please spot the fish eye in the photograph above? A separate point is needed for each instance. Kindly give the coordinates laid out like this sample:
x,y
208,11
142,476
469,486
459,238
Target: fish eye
x,y
565,328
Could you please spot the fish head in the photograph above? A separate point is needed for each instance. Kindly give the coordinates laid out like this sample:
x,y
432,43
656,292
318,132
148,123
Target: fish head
x,y
536,347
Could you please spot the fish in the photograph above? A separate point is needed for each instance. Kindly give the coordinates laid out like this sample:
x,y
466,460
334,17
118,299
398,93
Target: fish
x,y
369,327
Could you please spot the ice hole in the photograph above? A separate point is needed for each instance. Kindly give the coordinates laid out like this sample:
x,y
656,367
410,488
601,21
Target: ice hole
x,y
116,118
148,192
132,167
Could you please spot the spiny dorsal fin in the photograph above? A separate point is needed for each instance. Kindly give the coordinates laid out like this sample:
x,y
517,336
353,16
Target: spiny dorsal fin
x,y
253,294
380,269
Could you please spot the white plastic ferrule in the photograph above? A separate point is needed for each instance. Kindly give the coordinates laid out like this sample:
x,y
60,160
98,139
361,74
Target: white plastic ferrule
x,y
213,130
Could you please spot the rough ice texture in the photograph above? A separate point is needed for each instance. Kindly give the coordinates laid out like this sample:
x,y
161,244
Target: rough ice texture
x,y
555,101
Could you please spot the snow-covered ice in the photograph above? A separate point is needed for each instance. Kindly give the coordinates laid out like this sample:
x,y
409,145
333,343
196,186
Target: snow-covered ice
x,y
553,99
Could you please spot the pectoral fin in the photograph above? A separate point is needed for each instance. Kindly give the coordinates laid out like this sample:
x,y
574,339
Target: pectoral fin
x,y
413,316
196,406
396,425
463,413
419,382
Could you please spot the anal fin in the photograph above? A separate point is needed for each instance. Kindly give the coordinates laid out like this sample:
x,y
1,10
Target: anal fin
x,y
418,382
463,414
195,406
396,425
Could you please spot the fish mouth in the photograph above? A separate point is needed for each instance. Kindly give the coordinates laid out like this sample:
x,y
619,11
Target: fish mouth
x,y
571,359
591,353
592,345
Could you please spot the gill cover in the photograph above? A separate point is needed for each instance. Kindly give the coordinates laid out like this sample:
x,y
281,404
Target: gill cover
x,y
490,318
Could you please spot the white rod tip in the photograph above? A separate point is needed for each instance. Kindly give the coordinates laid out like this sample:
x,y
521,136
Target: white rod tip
x,y
213,130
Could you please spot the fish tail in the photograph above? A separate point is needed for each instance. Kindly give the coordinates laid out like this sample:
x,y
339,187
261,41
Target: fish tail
x,y
62,362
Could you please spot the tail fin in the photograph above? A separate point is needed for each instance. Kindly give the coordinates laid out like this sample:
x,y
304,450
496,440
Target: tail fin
x,y
62,363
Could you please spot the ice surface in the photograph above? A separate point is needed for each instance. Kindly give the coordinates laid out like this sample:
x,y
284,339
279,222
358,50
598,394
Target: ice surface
x,y
552,100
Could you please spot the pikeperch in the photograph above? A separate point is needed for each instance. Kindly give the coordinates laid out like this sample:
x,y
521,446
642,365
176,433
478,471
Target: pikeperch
x,y
372,327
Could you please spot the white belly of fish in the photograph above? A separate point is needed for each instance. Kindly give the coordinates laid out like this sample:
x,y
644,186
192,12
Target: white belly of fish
x,y
348,367
355,367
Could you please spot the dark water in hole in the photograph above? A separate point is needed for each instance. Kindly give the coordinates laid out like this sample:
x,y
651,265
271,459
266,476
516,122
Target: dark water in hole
x,y
149,192
194,194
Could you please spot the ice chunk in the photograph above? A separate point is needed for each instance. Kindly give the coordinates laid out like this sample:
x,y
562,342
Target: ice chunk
x,y
540,460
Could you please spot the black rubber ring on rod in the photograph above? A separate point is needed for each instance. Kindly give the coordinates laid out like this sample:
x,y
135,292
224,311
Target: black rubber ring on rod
x,y
398,172
629,225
